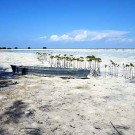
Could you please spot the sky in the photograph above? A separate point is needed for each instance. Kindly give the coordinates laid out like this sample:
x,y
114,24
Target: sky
x,y
67,23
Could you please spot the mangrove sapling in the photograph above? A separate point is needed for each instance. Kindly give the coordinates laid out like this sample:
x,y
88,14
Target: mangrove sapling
x,y
127,71
131,71
51,57
79,63
112,67
109,69
93,62
67,62
117,72
105,70
74,61
61,61
85,64
40,57
82,63
97,69
126,67
45,56
70,62
134,72
77,59
57,60
115,68
94,66
81,59
123,71
89,60
64,59
90,67
98,66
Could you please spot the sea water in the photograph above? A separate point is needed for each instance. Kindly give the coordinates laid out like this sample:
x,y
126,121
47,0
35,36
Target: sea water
x,y
119,53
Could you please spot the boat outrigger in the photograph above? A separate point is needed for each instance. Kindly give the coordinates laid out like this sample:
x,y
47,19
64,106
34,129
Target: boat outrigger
x,y
51,71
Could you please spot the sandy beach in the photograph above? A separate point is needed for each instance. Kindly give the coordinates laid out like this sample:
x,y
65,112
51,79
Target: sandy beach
x,y
57,106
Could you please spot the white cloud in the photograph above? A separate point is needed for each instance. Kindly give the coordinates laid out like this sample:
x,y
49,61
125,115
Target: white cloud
x,y
121,40
107,35
54,38
91,36
64,37
99,36
82,36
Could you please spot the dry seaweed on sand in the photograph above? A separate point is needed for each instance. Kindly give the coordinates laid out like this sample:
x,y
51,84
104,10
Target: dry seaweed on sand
x,y
7,82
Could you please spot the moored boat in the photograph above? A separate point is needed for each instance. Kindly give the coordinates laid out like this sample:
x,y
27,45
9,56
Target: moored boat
x,y
51,71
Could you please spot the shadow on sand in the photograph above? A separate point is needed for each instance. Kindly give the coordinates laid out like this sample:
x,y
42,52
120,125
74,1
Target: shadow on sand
x,y
13,115
14,112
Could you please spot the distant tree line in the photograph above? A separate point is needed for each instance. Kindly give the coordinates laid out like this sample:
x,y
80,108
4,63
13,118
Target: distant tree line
x,y
5,48
17,48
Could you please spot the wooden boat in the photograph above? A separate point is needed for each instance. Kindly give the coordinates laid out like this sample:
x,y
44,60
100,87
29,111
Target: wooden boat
x,y
51,71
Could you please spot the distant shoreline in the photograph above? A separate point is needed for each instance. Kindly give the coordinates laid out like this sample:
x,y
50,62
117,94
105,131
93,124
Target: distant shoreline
x,y
71,48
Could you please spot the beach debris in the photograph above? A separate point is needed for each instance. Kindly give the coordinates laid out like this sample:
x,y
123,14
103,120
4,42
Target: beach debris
x,y
2,69
97,127
6,83
46,108
72,126
29,112
119,133
54,129
33,131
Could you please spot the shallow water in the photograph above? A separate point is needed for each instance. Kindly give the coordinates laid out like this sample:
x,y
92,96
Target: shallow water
x,y
118,53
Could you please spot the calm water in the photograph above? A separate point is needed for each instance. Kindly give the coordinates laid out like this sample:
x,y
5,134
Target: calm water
x,y
121,53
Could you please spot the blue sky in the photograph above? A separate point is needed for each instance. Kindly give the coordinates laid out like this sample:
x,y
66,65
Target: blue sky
x,y
67,23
